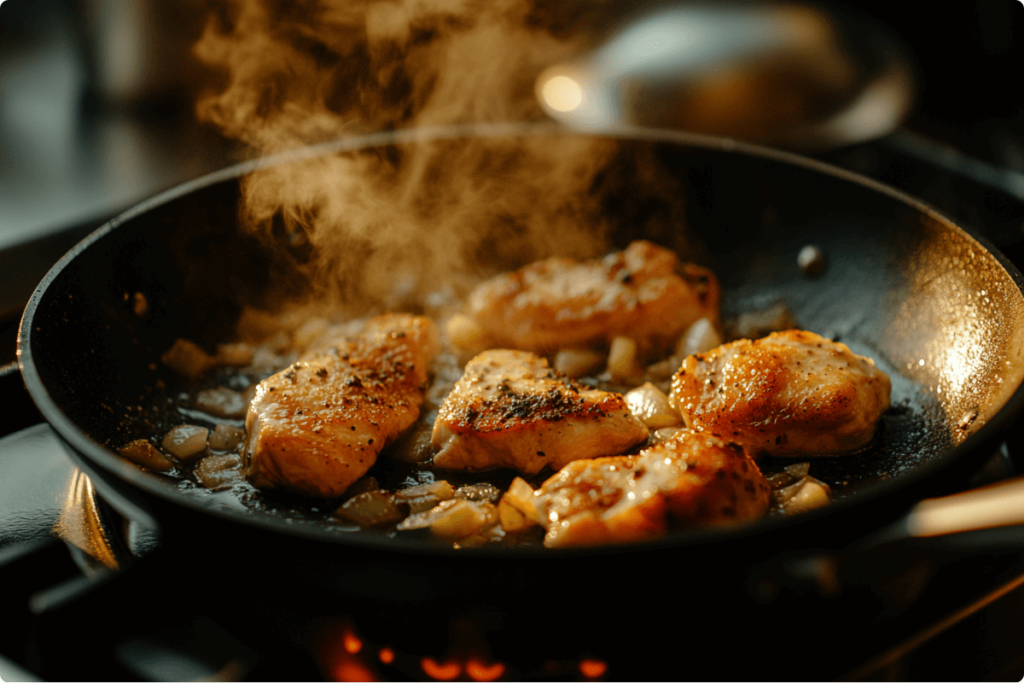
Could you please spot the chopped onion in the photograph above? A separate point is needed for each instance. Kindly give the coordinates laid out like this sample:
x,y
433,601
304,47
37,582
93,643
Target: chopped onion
x,y
371,509
217,472
512,521
187,359
665,434
806,494
186,442
453,519
700,337
488,535
421,503
520,496
234,355
622,361
145,454
651,407
811,494
578,362
479,492
442,489
222,402
225,438
799,470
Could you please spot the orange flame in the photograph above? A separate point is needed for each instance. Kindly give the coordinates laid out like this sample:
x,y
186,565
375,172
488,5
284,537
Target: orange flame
x,y
479,671
593,668
447,671
349,668
351,642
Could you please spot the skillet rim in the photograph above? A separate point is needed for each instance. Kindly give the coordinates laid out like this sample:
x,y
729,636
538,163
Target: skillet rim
x,y
103,462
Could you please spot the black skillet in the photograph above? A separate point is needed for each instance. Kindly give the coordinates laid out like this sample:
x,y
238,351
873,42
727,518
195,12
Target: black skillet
x,y
936,307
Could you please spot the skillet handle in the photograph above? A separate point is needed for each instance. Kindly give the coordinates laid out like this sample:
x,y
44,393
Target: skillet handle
x,y
994,506
983,520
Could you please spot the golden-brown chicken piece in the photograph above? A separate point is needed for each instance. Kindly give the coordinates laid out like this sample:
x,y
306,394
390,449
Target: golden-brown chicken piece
x,y
692,479
790,393
317,426
510,409
559,303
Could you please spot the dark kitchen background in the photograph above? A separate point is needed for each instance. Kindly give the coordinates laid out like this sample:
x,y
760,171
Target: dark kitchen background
x,y
97,103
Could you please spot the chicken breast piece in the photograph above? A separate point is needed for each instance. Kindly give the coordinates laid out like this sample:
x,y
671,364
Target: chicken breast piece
x,y
790,393
510,409
318,426
559,303
691,480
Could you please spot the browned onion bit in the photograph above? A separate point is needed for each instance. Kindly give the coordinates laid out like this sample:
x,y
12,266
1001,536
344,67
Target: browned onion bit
x,y
372,509
225,438
145,454
218,472
479,492
222,402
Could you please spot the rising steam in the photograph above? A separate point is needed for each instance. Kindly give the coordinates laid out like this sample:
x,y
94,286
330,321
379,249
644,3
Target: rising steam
x,y
407,219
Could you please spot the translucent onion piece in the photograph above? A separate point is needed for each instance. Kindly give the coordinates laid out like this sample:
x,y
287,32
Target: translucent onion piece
x,y
805,494
442,489
812,494
699,338
479,492
422,503
791,475
225,438
799,470
622,361
650,405
222,402
520,496
145,454
512,520
187,359
371,509
454,519
578,362
665,434
186,442
218,472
